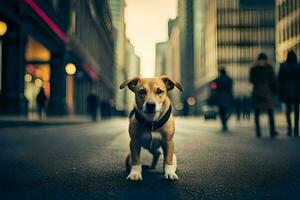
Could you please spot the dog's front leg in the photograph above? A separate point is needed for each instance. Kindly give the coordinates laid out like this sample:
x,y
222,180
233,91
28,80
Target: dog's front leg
x,y
170,160
136,167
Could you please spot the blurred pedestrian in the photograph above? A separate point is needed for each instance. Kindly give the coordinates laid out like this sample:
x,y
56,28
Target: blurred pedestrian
x,y
238,108
223,96
289,90
262,77
93,102
186,108
41,100
246,108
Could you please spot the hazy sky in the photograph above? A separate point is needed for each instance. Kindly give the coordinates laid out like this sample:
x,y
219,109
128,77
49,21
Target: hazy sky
x,y
147,23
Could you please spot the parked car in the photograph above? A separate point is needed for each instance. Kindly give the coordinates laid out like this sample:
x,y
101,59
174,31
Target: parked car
x,y
209,112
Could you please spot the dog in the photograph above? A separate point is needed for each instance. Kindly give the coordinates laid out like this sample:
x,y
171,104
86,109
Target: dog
x,y
152,124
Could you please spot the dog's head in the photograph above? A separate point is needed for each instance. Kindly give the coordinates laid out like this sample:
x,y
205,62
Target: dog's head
x,y
151,93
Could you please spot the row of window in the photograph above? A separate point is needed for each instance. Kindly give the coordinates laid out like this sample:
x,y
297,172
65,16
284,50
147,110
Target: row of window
x,y
287,7
89,35
249,17
228,3
240,54
237,71
291,30
246,35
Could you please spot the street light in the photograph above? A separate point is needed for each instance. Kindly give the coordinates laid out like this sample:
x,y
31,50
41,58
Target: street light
x,y
3,28
70,69
191,101
27,78
38,82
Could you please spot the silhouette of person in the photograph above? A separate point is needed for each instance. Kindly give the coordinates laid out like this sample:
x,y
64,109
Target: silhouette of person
x,y
289,90
246,108
238,108
262,77
223,96
41,100
186,107
93,101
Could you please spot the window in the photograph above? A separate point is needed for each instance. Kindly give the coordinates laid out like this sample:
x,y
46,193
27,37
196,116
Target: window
x,y
283,9
289,34
293,4
279,12
298,26
235,18
297,4
288,7
293,29
55,4
279,36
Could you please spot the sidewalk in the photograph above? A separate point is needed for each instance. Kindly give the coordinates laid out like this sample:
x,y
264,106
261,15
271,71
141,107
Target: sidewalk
x,y
18,121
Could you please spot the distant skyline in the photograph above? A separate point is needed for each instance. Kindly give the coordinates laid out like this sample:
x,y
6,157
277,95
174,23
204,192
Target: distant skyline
x,y
147,24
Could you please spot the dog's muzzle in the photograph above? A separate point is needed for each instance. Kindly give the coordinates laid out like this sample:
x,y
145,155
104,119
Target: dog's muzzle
x,y
150,107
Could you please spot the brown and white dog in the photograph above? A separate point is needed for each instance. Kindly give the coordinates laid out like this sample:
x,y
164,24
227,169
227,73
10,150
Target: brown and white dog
x,y
152,124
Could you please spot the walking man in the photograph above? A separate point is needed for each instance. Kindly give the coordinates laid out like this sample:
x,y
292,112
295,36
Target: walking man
x,y
289,90
41,100
223,96
262,77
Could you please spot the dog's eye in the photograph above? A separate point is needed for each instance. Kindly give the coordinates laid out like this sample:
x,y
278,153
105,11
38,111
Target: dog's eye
x,y
159,91
142,92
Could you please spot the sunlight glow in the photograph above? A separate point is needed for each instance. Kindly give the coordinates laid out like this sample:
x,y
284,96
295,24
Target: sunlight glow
x,y
147,24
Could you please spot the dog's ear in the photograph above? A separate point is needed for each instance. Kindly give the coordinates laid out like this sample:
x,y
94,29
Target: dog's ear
x,y
170,83
131,83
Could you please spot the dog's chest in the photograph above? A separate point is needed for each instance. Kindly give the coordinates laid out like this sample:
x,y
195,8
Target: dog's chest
x,y
150,140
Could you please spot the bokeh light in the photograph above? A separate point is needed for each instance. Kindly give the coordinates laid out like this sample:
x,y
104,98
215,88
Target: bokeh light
x,y
38,82
27,78
3,28
191,101
70,69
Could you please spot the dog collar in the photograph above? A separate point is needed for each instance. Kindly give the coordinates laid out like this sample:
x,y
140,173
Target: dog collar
x,y
155,124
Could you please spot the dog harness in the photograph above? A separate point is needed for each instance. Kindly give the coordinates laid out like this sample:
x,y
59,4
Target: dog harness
x,y
151,139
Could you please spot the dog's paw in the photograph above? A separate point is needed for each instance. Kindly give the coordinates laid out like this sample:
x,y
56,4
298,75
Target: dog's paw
x,y
135,173
134,176
170,173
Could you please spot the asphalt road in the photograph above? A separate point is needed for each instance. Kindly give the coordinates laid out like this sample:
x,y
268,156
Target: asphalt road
x,y
87,162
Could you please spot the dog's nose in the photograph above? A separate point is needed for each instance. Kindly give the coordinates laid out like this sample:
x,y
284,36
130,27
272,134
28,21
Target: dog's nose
x,y
150,106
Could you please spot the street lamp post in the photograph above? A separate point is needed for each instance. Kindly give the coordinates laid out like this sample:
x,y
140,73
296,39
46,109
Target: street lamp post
x,y
3,30
70,70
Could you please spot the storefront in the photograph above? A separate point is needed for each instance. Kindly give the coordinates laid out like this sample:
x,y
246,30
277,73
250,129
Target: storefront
x,y
37,74
38,51
28,50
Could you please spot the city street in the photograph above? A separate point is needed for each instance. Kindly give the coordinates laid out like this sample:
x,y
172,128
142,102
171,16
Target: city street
x,y
86,161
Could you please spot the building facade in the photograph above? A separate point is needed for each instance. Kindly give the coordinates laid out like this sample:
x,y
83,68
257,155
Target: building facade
x,y
287,28
186,32
126,61
204,42
168,61
42,38
161,58
132,63
117,11
236,32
